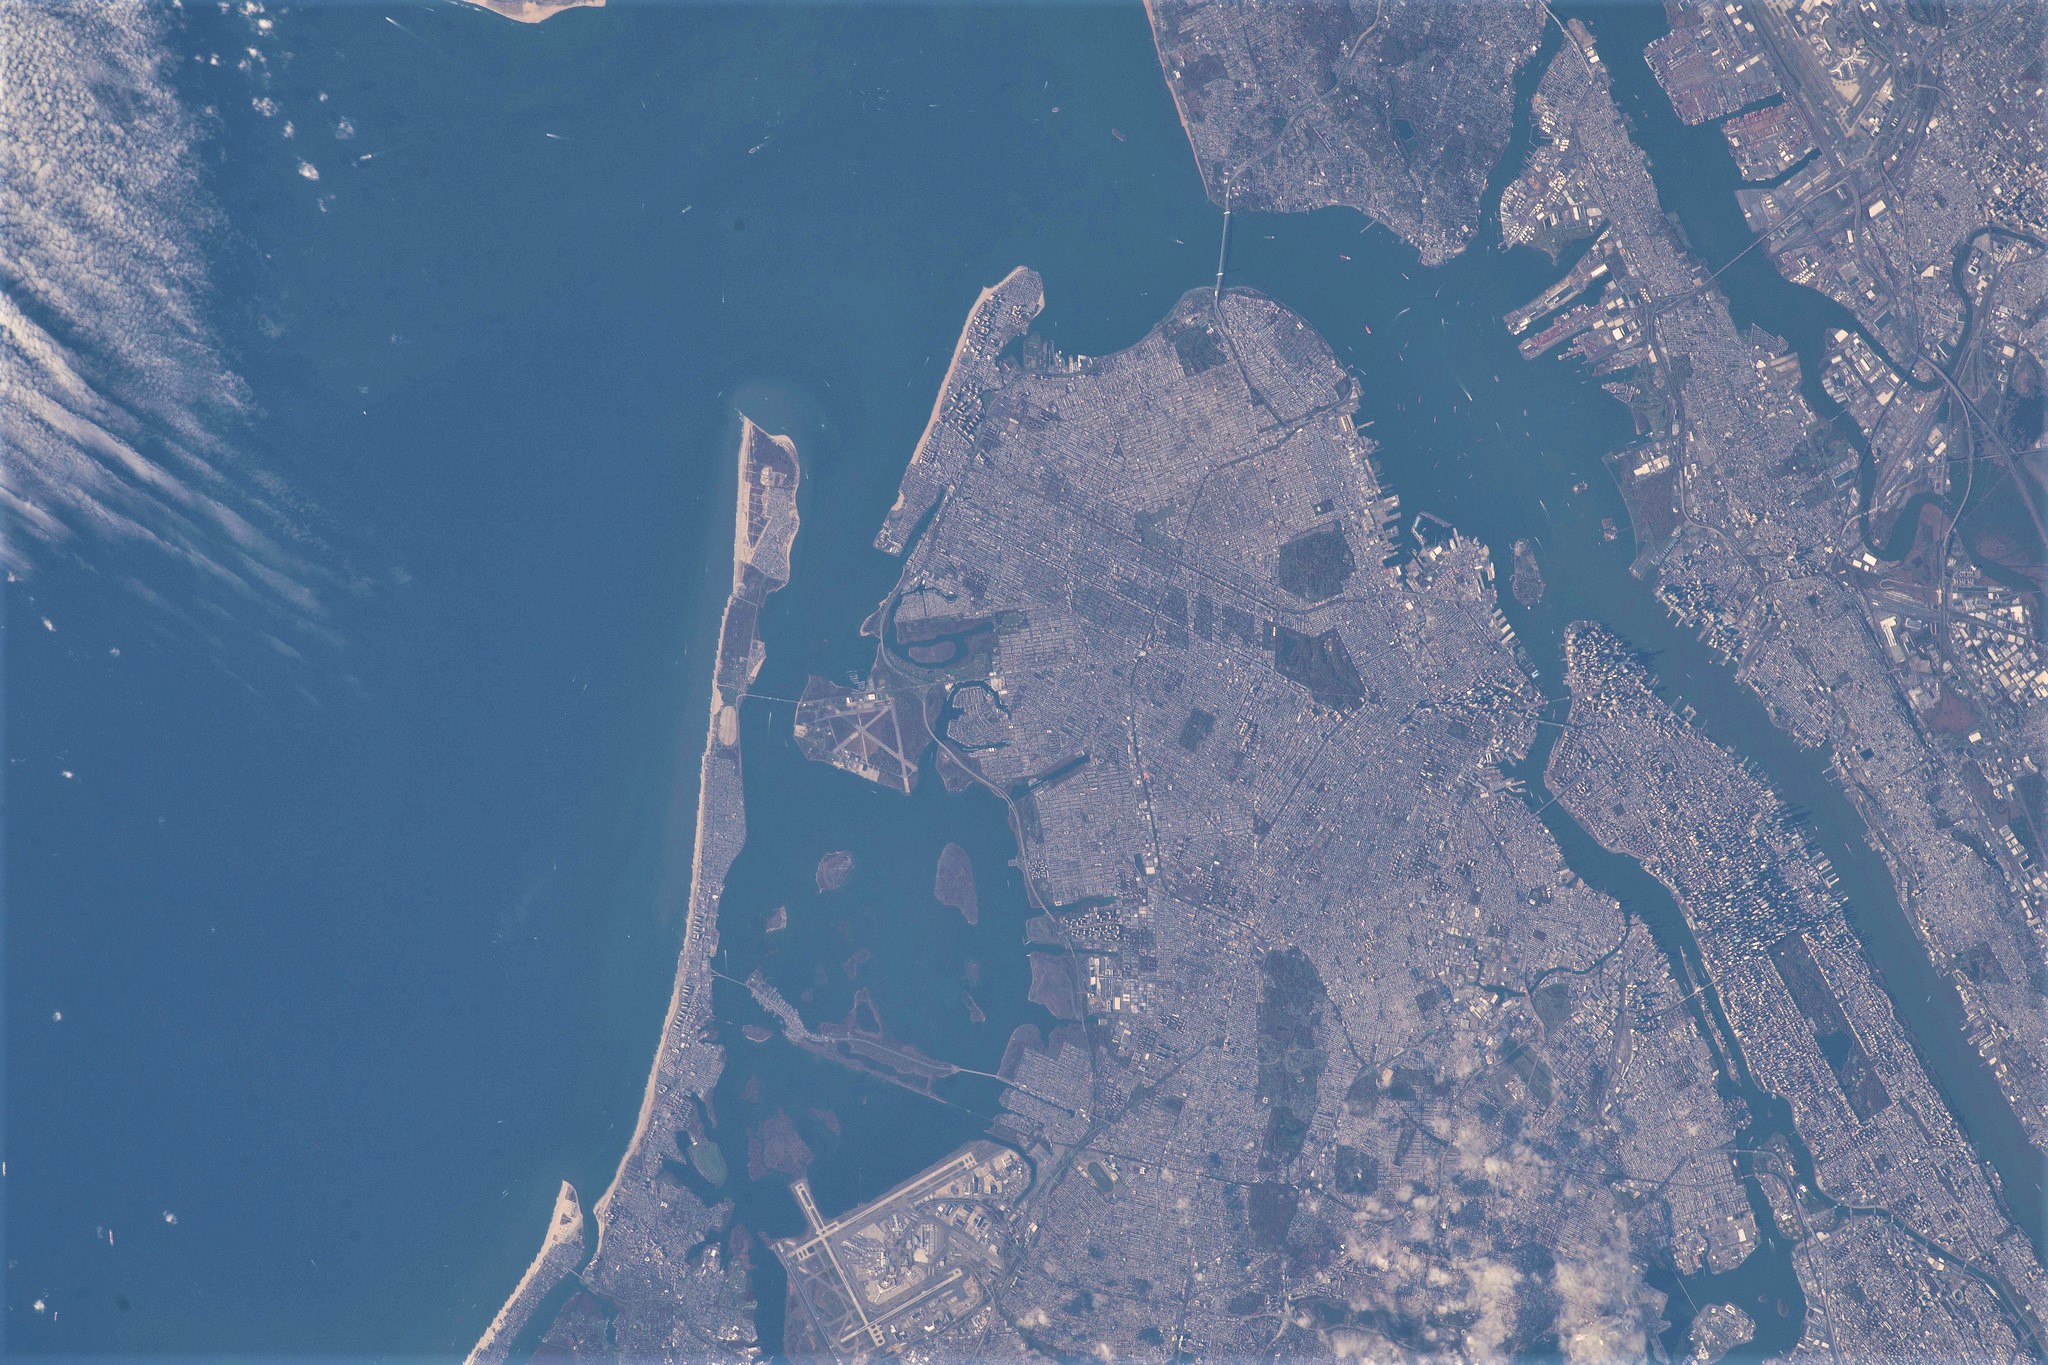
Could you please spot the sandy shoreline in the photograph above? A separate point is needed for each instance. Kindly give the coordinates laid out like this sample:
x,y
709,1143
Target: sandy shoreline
x,y
559,1253
700,921
1180,110
765,524
893,536
683,1059
532,11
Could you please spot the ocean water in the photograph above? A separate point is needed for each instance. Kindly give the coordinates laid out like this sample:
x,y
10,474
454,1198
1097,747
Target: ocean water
x,y
358,952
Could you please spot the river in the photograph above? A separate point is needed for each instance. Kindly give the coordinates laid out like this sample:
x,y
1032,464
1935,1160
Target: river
x,y
1504,464
356,961
1467,431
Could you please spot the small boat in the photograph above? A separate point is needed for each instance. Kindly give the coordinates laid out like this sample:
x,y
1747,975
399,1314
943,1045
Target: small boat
x,y
1368,329
1118,134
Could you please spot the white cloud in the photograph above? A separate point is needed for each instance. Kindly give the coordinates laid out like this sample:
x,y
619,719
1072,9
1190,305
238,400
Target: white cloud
x,y
1602,1304
119,417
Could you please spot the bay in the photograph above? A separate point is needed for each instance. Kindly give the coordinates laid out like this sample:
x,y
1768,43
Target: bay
x,y
359,954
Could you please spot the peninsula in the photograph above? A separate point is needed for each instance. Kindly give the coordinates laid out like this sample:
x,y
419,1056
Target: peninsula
x,y
665,1277
1347,1022
561,1251
533,11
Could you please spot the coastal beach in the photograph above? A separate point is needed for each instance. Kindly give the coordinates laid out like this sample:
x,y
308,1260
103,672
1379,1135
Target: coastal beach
x,y
561,1251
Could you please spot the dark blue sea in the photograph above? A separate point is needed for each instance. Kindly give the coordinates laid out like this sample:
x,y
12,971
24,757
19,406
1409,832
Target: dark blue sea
x,y
362,946
358,953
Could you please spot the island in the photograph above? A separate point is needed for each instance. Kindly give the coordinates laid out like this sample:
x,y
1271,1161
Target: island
x,y
953,883
1897,1227
1759,488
